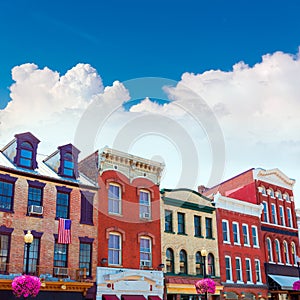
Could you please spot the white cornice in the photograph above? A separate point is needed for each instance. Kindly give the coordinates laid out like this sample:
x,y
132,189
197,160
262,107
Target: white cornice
x,y
237,206
274,176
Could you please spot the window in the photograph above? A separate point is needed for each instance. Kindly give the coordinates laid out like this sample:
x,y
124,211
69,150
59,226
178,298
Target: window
x,y
289,217
168,221
248,270
145,205
228,268
208,227
170,260
181,223
279,195
236,233
145,252
271,192
35,193
26,155
197,226
60,255
269,249
273,213
277,251
281,216
286,196
62,202
245,234
199,268
225,231
257,271
114,249
294,254
85,255
4,251
86,212
114,199
68,165
238,268
34,256
183,262
6,192
263,190
266,213
210,264
286,252
254,236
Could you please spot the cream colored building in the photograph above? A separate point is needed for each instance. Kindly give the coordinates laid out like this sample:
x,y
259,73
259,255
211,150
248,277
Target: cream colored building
x,y
188,226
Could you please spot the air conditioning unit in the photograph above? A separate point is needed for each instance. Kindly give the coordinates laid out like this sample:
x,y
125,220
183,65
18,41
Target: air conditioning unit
x,y
145,263
35,209
145,215
58,271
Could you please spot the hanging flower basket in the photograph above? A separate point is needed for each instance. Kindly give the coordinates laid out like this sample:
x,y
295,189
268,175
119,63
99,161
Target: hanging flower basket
x,y
26,286
205,285
296,285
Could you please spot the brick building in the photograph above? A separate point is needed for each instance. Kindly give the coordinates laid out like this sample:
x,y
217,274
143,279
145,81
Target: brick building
x,y
129,253
278,226
188,228
35,191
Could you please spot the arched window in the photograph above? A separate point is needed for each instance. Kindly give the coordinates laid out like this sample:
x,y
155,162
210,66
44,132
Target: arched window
x,y
279,195
286,196
271,192
263,190
286,252
26,155
199,267
277,251
183,262
170,260
210,264
294,254
269,249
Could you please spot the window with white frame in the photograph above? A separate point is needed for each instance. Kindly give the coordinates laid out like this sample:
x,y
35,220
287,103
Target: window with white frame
x,y
263,190
145,204
266,212
273,213
279,195
238,268
277,251
254,236
114,249
114,198
246,234
281,215
145,252
271,192
257,271
228,268
286,252
236,233
294,254
286,196
269,249
289,217
225,230
248,270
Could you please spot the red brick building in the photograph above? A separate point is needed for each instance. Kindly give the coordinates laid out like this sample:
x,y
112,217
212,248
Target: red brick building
x,y
278,226
35,191
129,253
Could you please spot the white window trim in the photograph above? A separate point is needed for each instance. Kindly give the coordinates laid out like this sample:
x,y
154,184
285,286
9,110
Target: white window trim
x,y
149,206
257,240
227,232
238,233
279,251
115,199
275,212
246,225
269,242
230,266
286,252
266,212
251,279
281,210
150,245
290,218
259,270
241,270
120,249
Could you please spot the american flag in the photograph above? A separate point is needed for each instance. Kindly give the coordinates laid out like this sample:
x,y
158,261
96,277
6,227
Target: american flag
x,y
64,231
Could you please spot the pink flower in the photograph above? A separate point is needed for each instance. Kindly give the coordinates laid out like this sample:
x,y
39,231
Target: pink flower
x,y
296,285
26,286
205,285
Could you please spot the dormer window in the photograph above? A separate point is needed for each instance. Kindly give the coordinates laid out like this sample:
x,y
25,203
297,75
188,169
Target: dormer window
x,y
68,165
26,154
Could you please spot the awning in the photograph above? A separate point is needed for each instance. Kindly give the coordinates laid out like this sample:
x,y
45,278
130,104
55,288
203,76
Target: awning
x,y
154,298
110,297
285,282
132,297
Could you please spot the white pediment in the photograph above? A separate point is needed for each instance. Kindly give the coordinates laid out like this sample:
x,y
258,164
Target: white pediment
x,y
274,176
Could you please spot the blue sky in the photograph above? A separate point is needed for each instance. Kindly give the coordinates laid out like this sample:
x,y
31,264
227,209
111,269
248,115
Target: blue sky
x,y
240,59
129,39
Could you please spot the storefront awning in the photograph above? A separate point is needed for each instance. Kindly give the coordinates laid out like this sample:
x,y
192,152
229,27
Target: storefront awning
x,y
132,297
154,298
110,297
285,282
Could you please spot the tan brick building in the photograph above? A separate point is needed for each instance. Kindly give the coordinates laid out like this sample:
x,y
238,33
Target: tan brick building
x,y
35,191
188,227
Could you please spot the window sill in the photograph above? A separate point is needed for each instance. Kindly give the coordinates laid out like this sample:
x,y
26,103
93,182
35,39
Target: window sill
x,y
199,236
172,232
181,233
210,238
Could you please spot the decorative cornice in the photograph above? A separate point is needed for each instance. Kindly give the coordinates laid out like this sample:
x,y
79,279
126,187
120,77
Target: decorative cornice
x,y
237,205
